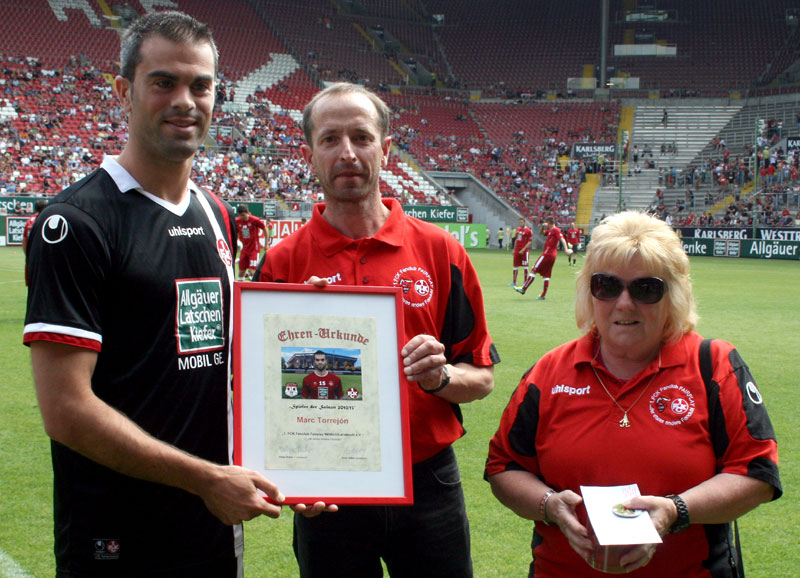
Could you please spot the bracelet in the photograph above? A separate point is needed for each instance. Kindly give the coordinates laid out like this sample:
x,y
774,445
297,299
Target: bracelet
x,y
682,522
543,506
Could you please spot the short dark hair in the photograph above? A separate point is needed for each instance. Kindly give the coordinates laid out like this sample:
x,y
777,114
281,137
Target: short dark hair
x,y
172,25
39,205
320,352
242,209
384,113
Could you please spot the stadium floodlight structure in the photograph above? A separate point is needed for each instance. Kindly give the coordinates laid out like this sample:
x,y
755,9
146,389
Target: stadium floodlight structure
x,y
622,143
760,125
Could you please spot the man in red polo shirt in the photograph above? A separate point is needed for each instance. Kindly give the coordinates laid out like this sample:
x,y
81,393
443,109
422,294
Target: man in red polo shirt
x,y
357,238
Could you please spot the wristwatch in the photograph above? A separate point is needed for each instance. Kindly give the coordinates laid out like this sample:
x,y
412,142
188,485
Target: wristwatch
x,y
445,381
682,522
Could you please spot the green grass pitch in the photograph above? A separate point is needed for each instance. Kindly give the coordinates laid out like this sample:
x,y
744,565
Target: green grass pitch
x,y
755,304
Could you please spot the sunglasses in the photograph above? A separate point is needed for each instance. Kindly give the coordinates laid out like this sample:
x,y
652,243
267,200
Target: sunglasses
x,y
647,290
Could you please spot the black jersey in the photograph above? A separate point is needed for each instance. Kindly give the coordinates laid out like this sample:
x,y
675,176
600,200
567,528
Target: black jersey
x,y
148,285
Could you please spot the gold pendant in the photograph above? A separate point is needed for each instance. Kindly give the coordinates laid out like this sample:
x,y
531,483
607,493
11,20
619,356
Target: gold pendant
x,y
624,421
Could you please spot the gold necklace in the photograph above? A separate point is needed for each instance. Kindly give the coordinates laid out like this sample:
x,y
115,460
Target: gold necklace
x,y
625,422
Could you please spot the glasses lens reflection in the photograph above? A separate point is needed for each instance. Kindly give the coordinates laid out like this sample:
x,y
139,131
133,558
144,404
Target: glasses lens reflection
x,y
647,290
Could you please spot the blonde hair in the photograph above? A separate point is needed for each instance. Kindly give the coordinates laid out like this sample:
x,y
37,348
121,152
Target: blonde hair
x,y
615,242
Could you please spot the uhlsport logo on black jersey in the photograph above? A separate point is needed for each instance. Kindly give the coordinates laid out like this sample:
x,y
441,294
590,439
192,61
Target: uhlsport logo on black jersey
x,y
55,229
186,231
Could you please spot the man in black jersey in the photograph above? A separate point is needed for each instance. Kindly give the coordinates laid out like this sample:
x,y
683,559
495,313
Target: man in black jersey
x,y
129,324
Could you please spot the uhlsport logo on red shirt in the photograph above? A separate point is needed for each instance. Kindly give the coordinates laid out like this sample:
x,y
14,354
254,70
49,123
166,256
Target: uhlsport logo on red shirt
x,y
417,286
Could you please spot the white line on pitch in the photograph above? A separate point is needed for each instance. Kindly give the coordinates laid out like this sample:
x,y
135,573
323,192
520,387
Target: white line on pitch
x,y
10,569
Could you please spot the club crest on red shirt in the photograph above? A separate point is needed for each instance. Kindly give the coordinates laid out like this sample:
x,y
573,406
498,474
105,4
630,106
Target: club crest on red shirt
x,y
672,405
417,285
224,252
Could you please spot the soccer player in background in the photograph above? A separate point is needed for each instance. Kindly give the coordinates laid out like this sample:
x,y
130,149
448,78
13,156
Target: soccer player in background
x,y
248,227
38,207
522,245
544,264
573,237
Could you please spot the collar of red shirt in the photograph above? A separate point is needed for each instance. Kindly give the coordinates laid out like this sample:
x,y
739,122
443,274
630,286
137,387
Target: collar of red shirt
x,y
672,354
332,241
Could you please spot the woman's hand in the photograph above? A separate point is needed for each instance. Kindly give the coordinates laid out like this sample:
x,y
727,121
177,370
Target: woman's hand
x,y
637,557
561,510
662,511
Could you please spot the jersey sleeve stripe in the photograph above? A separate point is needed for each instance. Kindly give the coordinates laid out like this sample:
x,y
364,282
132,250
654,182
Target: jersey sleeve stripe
x,y
62,334
225,217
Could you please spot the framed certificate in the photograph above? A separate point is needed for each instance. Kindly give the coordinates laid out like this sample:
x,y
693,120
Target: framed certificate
x,y
318,406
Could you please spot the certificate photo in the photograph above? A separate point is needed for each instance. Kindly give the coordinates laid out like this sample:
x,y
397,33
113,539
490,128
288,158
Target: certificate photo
x,y
323,421
317,404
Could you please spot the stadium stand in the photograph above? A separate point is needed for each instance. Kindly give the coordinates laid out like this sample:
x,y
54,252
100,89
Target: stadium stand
x,y
503,48
57,33
496,103
58,124
719,50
